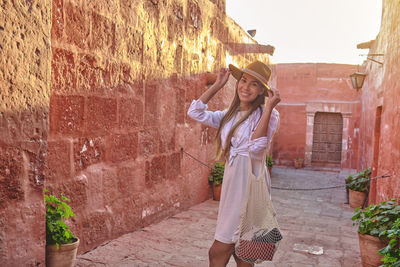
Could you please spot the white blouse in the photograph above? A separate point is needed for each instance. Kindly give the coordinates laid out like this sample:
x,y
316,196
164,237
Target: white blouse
x,y
241,143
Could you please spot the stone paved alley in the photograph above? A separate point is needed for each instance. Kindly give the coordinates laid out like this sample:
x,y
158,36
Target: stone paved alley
x,y
313,222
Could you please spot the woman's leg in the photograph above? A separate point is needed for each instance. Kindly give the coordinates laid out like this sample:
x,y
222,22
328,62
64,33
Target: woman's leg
x,y
220,253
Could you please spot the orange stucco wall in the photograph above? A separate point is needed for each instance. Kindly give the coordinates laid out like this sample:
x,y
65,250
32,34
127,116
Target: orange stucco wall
x,y
307,88
380,144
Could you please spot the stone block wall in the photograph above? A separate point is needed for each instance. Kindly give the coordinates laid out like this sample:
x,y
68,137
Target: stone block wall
x,y
308,88
94,97
380,119
123,76
24,127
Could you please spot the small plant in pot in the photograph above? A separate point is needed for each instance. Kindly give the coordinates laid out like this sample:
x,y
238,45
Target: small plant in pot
x,y
373,225
269,162
215,178
298,163
61,244
358,186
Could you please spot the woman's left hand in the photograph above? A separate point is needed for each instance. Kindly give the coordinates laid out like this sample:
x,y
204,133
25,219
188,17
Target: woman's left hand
x,y
273,98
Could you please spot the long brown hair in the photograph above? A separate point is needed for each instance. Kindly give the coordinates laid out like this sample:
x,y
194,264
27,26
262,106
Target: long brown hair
x,y
232,111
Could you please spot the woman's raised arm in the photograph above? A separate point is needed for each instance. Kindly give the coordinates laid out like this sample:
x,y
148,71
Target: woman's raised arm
x,y
262,128
198,109
222,78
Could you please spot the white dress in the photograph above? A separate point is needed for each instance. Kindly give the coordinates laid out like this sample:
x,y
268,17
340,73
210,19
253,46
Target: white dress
x,y
235,175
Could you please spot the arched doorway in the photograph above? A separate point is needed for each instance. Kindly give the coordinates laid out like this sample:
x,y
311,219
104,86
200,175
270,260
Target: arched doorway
x,y
327,139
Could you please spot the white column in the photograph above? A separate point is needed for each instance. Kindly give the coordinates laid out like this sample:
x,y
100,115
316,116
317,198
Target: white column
x,y
345,136
309,137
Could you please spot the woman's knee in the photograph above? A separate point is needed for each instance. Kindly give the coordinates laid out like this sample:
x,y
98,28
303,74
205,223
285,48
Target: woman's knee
x,y
216,251
220,252
212,253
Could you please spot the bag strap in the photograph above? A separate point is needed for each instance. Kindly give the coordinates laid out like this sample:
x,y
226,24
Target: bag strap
x,y
250,168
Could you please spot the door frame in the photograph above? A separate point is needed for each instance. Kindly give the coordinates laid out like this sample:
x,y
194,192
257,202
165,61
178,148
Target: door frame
x,y
343,107
322,163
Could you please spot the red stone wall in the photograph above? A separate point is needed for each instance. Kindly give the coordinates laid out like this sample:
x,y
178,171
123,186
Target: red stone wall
x,y
380,144
307,88
93,104
289,142
123,75
24,120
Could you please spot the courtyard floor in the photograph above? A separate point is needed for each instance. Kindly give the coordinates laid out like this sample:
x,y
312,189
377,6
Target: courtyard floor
x,y
316,225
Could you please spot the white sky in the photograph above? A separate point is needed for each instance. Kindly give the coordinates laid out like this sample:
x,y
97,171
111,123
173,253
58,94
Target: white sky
x,y
310,30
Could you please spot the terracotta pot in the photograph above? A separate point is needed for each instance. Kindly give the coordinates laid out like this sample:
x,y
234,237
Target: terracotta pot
x,y
298,164
217,192
356,198
64,256
270,170
369,247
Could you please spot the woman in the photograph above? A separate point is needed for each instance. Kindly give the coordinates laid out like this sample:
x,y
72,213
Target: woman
x,y
247,127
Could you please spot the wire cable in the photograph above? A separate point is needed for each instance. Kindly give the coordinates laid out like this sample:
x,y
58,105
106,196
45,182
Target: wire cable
x,y
286,188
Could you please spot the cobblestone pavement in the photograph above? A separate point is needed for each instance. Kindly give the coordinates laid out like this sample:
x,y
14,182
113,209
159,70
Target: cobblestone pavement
x,y
317,230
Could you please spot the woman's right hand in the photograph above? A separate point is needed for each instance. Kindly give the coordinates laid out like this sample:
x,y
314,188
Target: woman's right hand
x,y
222,78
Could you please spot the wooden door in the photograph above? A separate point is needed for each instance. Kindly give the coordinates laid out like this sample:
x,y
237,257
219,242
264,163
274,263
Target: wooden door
x,y
327,138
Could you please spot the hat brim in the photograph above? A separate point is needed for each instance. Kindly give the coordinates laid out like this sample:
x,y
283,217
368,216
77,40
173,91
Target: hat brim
x,y
237,74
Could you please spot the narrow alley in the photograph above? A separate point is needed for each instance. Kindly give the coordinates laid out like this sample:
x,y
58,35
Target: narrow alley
x,y
94,107
316,224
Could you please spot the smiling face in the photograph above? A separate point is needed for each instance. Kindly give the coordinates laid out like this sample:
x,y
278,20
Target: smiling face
x,y
248,90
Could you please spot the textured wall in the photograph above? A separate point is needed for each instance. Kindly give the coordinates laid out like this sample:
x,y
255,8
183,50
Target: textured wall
x,y
123,76
307,89
24,118
381,89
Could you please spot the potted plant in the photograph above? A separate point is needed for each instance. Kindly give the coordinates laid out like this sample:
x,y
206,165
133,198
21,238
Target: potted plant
x,y
298,163
61,244
269,162
358,186
391,253
215,178
373,225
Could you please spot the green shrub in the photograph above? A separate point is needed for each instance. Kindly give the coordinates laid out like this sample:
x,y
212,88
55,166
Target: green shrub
x,y
359,182
57,212
217,174
377,219
391,253
269,162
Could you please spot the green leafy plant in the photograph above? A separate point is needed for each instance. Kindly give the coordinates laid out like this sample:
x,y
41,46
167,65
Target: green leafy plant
x,y
217,174
391,253
359,182
269,162
377,219
57,212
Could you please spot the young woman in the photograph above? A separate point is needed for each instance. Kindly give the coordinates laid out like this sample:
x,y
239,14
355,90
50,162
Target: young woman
x,y
245,129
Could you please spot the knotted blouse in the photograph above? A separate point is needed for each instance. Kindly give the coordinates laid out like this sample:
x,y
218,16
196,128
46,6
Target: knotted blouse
x,y
240,142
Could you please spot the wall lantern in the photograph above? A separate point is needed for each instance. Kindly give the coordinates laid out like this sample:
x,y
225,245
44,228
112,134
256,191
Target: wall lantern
x,y
357,79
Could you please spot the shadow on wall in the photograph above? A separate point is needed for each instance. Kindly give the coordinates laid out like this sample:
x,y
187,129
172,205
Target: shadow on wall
x,y
22,173
117,154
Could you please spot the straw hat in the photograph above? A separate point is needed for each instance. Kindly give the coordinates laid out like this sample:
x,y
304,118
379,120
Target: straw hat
x,y
257,69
